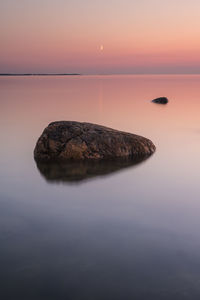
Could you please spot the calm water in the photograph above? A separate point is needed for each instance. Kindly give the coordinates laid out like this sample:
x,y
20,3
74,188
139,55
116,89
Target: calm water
x,y
124,233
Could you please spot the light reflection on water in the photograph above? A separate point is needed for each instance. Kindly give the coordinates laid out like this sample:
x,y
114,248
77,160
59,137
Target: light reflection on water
x,y
133,234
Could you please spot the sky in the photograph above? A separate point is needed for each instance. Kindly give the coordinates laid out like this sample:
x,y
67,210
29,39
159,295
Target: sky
x,y
100,36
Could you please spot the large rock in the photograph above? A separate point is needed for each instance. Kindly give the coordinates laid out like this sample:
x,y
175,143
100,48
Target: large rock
x,y
68,140
161,100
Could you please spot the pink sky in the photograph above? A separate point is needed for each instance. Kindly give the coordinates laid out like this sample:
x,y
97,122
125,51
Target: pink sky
x,y
146,36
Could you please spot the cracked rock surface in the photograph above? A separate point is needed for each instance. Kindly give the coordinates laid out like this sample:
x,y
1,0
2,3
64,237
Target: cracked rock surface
x,y
70,140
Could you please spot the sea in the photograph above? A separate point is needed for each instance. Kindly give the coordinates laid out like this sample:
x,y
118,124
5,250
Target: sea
x,y
108,233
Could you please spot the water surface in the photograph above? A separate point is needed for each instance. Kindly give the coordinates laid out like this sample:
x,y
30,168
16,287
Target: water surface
x,y
123,233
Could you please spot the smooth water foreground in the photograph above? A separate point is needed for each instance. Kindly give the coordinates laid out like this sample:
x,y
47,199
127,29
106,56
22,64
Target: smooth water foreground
x,y
128,232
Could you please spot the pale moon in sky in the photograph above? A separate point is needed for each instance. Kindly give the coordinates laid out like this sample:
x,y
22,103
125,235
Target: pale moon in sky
x,y
101,48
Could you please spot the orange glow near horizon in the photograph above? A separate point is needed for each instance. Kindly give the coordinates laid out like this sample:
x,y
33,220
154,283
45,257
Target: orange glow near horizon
x,y
150,36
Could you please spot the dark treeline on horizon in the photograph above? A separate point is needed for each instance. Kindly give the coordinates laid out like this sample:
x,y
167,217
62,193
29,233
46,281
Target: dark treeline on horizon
x,y
39,74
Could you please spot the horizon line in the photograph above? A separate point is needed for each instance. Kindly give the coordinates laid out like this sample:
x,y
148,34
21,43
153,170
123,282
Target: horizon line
x,y
94,74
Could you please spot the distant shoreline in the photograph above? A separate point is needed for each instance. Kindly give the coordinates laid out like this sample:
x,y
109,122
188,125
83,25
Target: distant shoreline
x,y
109,74
35,74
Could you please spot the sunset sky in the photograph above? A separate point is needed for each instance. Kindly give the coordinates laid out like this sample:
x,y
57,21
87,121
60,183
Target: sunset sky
x,y
100,37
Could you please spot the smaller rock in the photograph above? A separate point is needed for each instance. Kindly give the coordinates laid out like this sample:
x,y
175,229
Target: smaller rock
x,y
161,100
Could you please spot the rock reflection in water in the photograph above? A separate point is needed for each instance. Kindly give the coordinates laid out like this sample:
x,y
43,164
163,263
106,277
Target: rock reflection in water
x,y
75,172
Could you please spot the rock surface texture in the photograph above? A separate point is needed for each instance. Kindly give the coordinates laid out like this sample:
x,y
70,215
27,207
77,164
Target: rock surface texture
x,y
69,140
161,100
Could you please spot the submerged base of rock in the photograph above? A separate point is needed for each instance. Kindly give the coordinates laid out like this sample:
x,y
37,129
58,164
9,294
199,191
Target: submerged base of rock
x,y
70,140
78,171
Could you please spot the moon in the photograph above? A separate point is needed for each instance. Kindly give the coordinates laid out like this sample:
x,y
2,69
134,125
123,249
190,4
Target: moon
x,y
101,47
